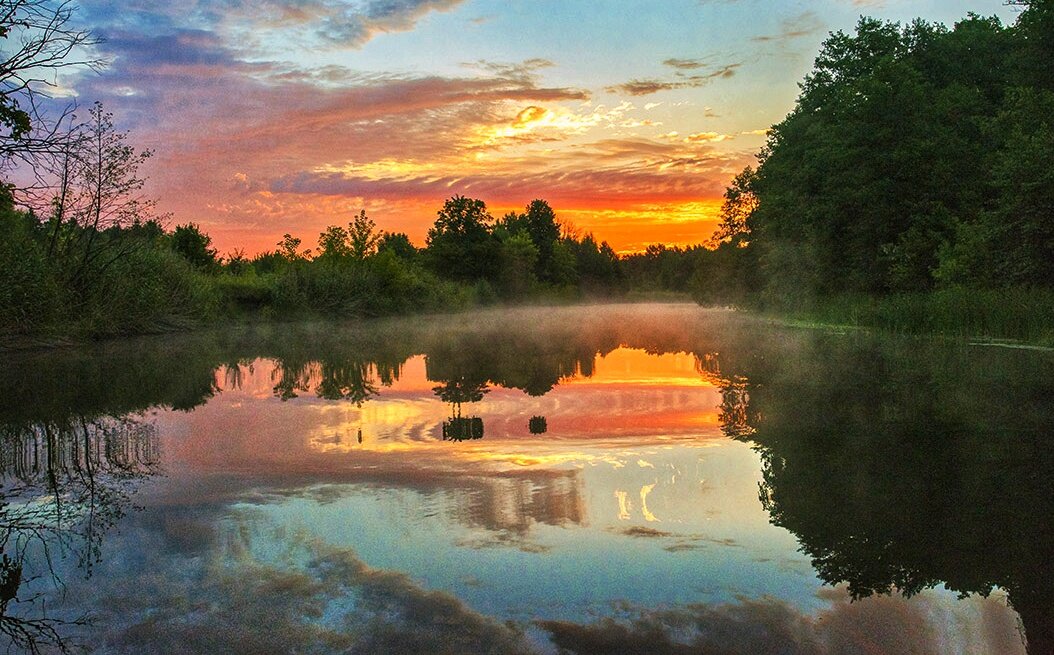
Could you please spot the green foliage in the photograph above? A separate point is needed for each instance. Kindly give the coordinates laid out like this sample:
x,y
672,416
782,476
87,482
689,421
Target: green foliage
x,y
333,243
519,256
399,244
358,241
1020,226
236,262
147,290
362,236
289,249
737,209
270,261
661,268
564,269
29,293
1009,313
538,223
245,292
153,279
917,157
460,245
597,266
541,226
194,246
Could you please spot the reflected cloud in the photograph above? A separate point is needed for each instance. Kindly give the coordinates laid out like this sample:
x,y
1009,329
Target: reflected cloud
x,y
624,505
880,626
315,599
641,531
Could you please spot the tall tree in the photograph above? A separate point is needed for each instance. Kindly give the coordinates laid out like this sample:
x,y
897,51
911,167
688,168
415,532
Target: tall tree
x,y
363,237
540,222
739,205
99,193
884,159
195,246
460,244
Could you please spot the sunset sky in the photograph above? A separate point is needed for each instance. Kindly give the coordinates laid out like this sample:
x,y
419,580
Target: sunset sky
x,y
629,117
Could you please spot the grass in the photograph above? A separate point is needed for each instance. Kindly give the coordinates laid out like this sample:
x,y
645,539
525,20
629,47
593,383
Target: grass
x,y
1017,314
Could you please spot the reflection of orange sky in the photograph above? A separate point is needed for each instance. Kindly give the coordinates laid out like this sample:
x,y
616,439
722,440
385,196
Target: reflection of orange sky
x,y
632,400
633,367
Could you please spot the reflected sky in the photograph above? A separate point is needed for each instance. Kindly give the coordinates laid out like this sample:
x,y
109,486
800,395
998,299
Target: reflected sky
x,y
292,521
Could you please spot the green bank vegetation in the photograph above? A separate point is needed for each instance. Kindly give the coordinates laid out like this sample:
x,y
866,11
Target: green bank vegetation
x,y
63,277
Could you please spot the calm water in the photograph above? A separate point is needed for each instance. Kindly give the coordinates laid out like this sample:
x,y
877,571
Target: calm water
x,y
618,479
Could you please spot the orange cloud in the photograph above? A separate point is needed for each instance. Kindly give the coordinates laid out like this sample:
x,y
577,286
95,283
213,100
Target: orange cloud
x,y
252,150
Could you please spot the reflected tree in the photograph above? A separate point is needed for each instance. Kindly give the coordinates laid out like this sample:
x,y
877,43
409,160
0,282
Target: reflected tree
x,y
455,392
352,381
291,377
897,477
335,376
467,428
65,484
537,425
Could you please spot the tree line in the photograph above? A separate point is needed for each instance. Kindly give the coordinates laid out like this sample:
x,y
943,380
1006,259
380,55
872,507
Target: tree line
x,y
73,272
917,157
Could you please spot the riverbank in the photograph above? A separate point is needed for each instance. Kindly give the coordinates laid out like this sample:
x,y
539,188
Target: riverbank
x,y
1015,316
179,325
1004,318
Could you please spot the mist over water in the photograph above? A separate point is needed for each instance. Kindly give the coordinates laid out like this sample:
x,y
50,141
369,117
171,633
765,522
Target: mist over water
x,y
606,479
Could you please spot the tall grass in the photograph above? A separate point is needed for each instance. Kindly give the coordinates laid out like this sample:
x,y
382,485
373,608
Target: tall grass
x,y
1019,314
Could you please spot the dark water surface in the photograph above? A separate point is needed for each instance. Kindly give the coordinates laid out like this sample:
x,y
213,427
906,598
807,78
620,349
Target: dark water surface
x,y
613,479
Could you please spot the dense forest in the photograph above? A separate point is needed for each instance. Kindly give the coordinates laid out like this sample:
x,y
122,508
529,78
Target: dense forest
x,y
911,187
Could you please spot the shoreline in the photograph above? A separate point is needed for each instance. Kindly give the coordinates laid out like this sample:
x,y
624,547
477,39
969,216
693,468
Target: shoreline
x,y
45,342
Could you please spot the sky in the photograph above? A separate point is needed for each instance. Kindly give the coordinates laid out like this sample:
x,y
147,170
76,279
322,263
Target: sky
x,y
269,117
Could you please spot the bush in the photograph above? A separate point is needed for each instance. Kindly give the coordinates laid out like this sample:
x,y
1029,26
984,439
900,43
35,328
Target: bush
x,y
30,297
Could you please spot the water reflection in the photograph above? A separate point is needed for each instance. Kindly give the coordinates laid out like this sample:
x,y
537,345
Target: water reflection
x,y
896,466
65,484
903,468
457,391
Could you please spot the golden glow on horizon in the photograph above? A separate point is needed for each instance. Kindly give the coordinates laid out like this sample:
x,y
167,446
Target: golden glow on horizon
x,y
411,422
629,229
609,170
634,143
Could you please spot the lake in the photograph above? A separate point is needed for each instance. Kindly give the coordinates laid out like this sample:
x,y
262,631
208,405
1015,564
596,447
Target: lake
x,y
593,479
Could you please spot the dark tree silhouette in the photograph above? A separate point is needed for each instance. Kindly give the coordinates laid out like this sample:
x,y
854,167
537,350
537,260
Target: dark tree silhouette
x,y
460,245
